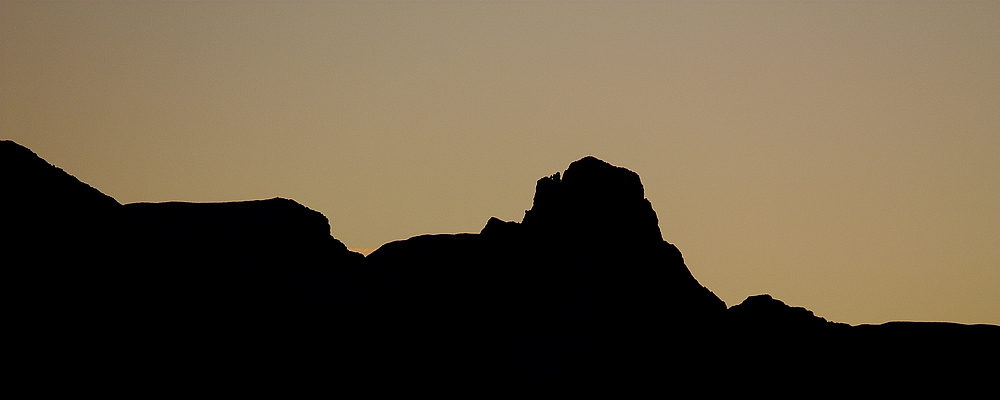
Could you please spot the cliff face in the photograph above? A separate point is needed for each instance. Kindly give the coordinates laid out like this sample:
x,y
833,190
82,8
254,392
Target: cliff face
x,y
593,223
556,286
243,256
235,235
95,279
591,215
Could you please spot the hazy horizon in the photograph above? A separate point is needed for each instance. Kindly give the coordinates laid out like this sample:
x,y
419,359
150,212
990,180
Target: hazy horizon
x,y
840,156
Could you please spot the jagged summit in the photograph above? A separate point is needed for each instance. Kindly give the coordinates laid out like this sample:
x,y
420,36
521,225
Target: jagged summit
x,y
593,201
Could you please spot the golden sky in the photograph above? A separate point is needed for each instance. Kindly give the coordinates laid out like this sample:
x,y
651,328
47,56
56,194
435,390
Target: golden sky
x,y
841,156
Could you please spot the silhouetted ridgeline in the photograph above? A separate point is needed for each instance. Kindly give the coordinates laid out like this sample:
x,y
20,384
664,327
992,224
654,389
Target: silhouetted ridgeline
x,y
174,292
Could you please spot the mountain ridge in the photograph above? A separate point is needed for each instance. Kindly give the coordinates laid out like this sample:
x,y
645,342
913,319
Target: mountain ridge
x,y
548,303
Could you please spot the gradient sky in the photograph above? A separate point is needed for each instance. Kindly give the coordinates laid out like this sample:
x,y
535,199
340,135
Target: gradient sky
x,y
841,156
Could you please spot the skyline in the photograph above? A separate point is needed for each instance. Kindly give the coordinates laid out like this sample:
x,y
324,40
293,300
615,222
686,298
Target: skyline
x,y
841,157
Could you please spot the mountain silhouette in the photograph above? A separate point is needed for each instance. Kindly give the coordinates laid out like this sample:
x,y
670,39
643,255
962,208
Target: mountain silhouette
x,y
57,235
171,293
556,286
43,205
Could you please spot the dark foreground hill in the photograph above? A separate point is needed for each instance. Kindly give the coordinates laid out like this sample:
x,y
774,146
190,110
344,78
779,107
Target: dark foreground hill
x,y
182,294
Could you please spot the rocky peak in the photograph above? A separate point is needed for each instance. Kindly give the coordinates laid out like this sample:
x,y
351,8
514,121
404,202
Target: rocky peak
x,y
594,201
605,181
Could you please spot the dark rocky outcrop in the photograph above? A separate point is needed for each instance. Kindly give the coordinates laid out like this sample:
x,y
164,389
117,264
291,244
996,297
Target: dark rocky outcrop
x,y
792,345
30,182
49,216
593,203
585,279
152,284
763,312
582,296
57,239
246,256
247,284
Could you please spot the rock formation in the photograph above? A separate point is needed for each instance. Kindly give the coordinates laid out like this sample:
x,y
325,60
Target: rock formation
x,y
45,208
765,312
245,257
152,283
552,305
556,286
57,236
